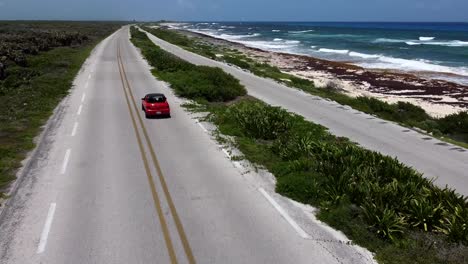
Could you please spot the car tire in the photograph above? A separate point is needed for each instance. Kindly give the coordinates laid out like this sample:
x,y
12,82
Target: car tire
x,y
142,108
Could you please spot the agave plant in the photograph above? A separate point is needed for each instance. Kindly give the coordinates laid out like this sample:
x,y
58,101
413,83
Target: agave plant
x,y
425,215
386,222
455,224
291,147
262,121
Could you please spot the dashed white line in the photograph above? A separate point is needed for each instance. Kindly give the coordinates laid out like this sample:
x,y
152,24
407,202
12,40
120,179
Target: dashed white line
x,y
227,153
45,231
89,76
86,84
79,110
65,161
204,129
75,127
83,97
285,215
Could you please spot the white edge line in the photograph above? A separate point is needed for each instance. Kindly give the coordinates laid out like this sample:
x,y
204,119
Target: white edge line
x,y
204,129
227,153
293,223
83,97
65,161
45,231
79,110
75,127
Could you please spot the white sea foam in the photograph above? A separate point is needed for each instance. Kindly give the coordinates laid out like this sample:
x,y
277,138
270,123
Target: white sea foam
x,y
277,39
292,42
426,38
234,37
384,62
453,43
275,30
383,40
425,41
313,47
301,31
334,51
363,55
268,45
412,43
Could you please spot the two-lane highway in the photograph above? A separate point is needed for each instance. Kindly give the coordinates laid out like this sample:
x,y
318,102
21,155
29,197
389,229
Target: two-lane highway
x,y
108,185
446,163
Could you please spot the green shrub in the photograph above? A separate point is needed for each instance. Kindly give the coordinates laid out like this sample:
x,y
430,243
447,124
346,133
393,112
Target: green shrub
x,y
170,36
259,120
211,84
385,222
455,124
236,61
410,112
188,80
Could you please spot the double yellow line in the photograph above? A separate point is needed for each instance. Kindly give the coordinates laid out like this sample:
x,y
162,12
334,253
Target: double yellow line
x,y
157,202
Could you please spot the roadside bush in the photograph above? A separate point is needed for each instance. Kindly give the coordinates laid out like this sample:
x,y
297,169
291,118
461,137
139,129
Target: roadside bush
x,y
455,124
170,36
236,61
211,84
260,121
188,80
410,112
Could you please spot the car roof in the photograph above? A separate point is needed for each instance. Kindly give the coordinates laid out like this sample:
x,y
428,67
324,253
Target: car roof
x,y
155,95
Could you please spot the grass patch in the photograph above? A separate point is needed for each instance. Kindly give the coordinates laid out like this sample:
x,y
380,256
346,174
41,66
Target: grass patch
x,y
188,80
34,77
453,128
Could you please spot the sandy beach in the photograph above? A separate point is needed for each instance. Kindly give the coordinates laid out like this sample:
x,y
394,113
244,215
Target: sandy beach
x,y
438,97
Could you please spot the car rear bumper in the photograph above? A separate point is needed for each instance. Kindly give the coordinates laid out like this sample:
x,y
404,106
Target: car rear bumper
x,y
158,112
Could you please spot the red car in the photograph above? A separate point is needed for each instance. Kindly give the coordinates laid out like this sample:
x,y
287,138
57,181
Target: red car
x,y
155,104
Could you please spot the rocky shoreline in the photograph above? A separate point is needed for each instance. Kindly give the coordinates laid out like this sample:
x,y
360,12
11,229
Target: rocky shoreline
x,y
438,97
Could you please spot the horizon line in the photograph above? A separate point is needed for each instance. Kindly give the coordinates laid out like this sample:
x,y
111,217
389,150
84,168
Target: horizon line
x,y
229,21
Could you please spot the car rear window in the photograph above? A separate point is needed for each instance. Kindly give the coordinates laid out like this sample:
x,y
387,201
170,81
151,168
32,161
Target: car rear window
x,y
156,99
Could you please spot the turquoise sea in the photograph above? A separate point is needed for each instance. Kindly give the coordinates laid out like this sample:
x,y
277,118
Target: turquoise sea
x,y
439,50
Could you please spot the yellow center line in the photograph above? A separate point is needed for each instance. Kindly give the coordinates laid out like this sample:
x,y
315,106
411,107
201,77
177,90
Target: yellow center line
x,y
178,223
157,202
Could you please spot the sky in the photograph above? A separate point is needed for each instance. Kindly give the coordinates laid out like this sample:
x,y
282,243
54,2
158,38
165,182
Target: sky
x,y
237,10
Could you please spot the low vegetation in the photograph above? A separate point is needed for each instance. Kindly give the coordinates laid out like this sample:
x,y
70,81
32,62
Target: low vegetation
x,y
188,80
375,200
454,126
38,62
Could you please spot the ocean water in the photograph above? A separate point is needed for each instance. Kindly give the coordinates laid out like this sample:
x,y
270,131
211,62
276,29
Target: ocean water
x,y
438,50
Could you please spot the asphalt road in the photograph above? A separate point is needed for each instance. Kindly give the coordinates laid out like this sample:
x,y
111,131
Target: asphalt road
x,y
107,185
445,163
